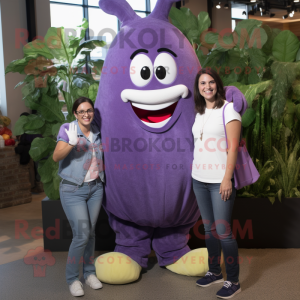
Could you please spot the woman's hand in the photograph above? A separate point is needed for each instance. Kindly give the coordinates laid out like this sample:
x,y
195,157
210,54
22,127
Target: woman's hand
x,y
72,134
225,189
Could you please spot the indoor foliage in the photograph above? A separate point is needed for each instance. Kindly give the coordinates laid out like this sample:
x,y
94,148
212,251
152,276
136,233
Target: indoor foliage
x,y
264,64
51,67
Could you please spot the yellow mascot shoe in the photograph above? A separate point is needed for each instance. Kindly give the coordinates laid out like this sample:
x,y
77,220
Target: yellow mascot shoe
x,y
194,263
116,268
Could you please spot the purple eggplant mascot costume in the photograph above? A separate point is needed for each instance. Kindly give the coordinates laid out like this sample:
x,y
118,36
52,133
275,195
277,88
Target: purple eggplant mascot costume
x,y
145,111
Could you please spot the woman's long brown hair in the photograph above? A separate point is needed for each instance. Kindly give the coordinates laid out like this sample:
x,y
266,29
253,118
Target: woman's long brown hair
x,y
200,103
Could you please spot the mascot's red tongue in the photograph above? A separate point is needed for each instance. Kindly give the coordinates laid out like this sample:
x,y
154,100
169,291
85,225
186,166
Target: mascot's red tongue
x,y
155,116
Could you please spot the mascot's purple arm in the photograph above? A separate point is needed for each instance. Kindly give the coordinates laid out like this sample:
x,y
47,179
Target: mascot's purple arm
x,y
148,190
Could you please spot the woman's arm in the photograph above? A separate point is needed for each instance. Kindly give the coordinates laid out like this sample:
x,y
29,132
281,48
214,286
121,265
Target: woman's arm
x,y
61,151
63,148
233,129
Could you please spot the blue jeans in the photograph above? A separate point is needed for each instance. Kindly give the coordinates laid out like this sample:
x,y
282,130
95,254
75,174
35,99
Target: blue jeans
x,y
82,206
216,217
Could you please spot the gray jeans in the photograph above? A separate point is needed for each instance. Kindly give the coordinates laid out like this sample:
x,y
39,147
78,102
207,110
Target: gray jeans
x,y
216,217
82,206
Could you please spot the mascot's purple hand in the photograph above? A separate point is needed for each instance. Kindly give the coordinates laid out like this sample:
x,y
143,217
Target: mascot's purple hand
x,y
233,94
62,133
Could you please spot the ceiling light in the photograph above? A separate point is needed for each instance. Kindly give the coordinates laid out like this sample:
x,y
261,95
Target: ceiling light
x,y
253,1
218,6
296,0
226,6
285,17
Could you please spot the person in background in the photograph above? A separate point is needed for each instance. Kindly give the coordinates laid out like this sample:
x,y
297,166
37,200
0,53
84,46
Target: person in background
x,y
213,180
80,158
22,148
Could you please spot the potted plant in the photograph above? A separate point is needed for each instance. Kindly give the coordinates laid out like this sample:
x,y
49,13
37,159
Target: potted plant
x,y
54,67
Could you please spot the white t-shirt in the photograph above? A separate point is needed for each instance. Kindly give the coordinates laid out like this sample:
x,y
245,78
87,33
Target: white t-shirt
x,y
210,154
93,171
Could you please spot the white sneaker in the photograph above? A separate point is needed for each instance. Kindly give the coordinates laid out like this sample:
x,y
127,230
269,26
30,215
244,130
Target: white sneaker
x,y
93,282
76,288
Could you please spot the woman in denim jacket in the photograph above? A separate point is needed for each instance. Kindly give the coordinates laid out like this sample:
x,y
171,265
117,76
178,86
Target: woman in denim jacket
x,y
79,153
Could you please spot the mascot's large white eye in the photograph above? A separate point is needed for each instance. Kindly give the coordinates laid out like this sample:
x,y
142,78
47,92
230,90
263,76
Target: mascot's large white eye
x,y
141,70
165,68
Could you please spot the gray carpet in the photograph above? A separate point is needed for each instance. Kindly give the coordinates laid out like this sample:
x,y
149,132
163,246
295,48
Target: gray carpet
x,y
271,274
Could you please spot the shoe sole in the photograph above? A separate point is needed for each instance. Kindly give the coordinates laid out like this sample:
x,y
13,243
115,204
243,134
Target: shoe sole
x,y
93,288
77,295
238,291
217,281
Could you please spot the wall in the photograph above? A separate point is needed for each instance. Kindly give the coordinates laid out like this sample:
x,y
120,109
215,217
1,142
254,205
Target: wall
x,y
13,18
221,18
196,6
43,20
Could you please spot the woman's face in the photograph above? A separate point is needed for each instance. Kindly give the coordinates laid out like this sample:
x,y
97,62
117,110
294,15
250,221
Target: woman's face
x,y
84,113
207,87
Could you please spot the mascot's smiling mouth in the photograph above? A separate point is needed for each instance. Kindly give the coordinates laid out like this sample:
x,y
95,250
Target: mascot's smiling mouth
x,y
155,107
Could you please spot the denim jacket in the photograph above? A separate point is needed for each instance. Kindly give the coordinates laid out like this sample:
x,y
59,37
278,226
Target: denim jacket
x,y
76,164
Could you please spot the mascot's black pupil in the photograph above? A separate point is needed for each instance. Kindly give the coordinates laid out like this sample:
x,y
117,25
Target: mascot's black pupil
x,y
161,72
145,73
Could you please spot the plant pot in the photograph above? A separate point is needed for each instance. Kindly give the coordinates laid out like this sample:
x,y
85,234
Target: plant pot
x,y
58,233
257,223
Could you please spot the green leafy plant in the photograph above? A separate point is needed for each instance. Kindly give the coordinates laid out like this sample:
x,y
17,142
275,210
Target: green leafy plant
x,y
287,179
53,67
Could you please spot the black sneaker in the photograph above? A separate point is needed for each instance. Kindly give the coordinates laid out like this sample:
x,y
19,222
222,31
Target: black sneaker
x,y
209,279
229,290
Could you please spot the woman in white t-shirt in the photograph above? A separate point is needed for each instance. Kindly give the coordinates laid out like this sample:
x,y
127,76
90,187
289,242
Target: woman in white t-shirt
x,y
213,181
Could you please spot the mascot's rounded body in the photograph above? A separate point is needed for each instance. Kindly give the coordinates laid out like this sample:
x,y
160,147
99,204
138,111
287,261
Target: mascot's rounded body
x,y
148,188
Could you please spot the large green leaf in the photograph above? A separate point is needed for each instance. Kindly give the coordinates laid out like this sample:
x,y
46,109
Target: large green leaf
x,y
48,129
28,79
93,91
298,55
225,43
41,147
74,41
249,34
32,99
19,126
257,64
297,111
248,117
201,56
51,189
46,168
284,74
28,88
211,38
91,44
33,122
55,129
184,20
237,63
96,66
267,48
36,48
285,46
56,43
18,65
50,108
203,21
251,90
